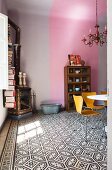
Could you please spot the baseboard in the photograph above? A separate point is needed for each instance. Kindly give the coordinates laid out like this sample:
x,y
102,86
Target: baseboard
x,y
39,111
19,117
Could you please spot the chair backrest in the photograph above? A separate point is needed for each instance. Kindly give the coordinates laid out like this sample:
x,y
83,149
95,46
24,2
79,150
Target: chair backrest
x,y
89,102
78,100
103,92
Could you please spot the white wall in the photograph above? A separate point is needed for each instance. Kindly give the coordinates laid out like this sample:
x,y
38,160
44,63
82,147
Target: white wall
x,y
3,111
102,66
109,71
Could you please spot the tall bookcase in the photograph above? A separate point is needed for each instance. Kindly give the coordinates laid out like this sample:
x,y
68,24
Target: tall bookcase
x,y
77,79
17,98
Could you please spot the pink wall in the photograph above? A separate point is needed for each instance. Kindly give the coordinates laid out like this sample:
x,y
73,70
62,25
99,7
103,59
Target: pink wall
x,y
65,38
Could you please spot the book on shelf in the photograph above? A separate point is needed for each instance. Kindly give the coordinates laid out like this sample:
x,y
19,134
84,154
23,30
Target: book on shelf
x,y
10,47
10,52
9,99
9,93
9,57
9,44
11,87
11,71
9,64
10,104
11,82
11,76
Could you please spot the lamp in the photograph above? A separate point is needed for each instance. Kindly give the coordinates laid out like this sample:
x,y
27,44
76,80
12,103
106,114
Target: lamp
x,y
98,38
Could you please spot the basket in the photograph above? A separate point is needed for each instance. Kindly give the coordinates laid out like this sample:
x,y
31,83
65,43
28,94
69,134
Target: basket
x,y
50,108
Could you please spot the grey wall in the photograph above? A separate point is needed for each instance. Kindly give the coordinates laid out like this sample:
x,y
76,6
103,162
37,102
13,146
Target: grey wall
x,y
35,52
102,77
3,111
0,5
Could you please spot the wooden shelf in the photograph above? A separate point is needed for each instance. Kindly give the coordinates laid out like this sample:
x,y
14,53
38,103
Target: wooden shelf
x,y
77,79
22,93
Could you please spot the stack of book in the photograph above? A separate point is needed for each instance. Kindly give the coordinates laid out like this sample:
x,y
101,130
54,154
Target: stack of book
x,y
9,35
9,95
10,56
10,47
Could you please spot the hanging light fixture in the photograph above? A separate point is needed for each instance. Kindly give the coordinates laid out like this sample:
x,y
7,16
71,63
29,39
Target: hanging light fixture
x,y
98,38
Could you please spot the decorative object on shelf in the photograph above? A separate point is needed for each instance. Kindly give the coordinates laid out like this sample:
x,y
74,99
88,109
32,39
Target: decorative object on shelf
x,y
71,63
98,38
24,79
77,71
20,79
75,60
77,88
77,79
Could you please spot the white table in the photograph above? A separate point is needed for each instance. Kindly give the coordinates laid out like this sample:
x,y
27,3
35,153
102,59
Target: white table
x,y
99,97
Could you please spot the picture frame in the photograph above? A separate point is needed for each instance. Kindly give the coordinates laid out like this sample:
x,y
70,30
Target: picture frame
x,y
74,60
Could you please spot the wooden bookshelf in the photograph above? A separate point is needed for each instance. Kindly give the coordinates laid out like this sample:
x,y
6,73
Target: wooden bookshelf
x,y
77,79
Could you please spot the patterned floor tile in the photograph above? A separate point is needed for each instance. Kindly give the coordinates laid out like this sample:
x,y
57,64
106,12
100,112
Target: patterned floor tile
x,y
56,142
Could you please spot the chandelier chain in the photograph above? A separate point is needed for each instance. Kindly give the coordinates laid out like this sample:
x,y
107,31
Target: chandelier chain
x,y
96,12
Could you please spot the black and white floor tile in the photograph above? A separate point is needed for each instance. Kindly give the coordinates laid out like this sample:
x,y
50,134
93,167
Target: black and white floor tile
x,y
56,142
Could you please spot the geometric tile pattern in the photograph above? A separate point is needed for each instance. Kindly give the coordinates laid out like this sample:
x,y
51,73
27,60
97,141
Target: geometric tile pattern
x,y
6,160
3,134
57,142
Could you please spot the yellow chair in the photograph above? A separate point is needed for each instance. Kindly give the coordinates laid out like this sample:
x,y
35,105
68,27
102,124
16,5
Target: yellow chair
x,y
78,100
90,102
105,102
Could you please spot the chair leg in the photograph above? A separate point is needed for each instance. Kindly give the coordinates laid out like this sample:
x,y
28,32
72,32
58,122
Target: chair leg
x,y
86,129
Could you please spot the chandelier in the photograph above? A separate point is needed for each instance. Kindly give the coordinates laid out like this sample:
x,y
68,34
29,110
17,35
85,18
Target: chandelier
x,y
98,37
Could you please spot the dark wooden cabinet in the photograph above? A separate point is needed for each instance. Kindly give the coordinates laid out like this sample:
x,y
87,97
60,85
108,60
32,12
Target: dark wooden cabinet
x,y
23,101
77,79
